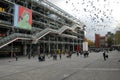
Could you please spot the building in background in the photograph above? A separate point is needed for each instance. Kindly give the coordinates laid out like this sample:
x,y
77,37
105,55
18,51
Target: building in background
x,y
37,26
97,40
117,38
109,39
100,41
105,41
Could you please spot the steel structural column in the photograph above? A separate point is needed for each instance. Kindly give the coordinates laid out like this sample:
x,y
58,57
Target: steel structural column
x,y
25,50
30,51
12,50
73,45
57,43
49,44
38,49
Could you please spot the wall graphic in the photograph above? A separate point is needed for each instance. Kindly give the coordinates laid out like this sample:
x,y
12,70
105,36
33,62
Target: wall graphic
x,y
22,17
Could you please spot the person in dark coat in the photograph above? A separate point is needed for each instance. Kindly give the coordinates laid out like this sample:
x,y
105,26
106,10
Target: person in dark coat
x,y
60,55
104,56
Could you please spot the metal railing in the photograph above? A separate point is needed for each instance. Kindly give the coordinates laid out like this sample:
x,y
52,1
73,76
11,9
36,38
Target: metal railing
x,y
35,37
46,31
13,37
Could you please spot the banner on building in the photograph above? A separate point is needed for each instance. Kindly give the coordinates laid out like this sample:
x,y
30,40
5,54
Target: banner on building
x,y
22,17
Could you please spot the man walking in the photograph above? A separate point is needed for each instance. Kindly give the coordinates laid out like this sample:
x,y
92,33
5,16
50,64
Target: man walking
x,y
104,56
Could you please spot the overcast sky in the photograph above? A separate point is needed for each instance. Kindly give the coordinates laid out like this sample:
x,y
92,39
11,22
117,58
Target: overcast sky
x,y
100,16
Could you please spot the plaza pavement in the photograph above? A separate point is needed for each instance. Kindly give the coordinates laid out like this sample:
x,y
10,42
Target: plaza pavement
x,y
77,68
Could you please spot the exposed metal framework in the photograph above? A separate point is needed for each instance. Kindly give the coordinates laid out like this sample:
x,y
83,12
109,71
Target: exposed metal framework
x,y
51,26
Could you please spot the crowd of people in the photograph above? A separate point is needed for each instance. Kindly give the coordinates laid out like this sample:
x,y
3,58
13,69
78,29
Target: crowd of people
x,y
68,54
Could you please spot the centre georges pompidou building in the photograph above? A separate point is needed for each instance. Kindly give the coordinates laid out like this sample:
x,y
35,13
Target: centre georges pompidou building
x,y
37,26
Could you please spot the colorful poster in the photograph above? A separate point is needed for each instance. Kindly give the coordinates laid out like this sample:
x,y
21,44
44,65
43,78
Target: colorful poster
x,y
22,17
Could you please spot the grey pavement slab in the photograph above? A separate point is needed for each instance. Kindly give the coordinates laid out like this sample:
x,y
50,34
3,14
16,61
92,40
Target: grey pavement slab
x,y
76,68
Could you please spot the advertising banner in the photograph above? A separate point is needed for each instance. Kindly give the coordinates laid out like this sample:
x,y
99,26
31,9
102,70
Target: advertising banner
x,y
22,17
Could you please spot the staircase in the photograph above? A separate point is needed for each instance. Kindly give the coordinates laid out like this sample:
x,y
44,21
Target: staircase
x,y
41,34
13,37
46,31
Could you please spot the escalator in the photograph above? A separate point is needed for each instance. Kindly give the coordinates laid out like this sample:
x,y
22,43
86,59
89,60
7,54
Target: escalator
x,y
35,37
13,37
46,31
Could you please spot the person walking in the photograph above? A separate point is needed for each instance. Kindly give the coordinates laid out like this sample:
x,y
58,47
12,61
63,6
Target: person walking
x,y
55,56
77,53
104,56
60,55
16,57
